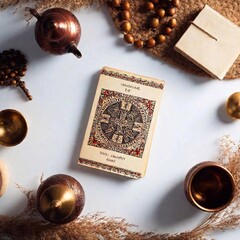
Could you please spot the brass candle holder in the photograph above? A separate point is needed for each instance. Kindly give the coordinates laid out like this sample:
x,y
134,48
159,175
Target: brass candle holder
x,y
13,127
209,186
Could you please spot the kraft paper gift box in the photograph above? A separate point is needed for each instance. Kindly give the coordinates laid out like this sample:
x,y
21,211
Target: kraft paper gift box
x,y
212,42
121,123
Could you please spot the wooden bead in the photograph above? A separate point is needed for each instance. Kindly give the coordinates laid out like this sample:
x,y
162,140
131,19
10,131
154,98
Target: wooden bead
x,y
151,43
171,11
161,13
128,38
126,27
116,3
139,44
13,82
125,15
161,38
12,74
154,23
168,31
22,73
172,23
176,3
125,5
8,70
149,6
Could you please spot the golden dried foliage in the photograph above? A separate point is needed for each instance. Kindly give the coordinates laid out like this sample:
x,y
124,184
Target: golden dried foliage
x,y
41,5
30,225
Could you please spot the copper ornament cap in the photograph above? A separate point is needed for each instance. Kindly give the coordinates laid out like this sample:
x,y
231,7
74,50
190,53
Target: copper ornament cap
x,y
209,186
57,31
13,127
60,199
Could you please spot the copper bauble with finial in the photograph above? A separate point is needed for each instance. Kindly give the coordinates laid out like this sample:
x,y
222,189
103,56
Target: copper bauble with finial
x,y
57,31
60,199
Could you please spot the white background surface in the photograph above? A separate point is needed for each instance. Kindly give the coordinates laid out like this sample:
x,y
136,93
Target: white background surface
x,y
191,120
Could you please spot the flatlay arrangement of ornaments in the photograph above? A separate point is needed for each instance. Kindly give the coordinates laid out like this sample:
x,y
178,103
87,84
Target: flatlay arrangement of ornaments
x,y
60,198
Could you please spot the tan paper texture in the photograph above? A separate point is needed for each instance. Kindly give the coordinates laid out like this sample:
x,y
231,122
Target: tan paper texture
x,y
212,42
121,124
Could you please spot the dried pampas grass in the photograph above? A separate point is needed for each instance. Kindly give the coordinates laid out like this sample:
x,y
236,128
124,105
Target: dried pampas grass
x,y
30,225
45,4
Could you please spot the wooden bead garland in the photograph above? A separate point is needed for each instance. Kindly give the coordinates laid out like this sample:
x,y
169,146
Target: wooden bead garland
x,y
13,66
159,10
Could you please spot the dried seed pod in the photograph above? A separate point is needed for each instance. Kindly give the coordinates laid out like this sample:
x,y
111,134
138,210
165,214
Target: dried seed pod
x,y
161,38
125,15
175,3
149,6
151,43
172,23
139,44
126,27
12,74
168,31
125,5
171,11
161,13
13,82
154,22
116,3
129,38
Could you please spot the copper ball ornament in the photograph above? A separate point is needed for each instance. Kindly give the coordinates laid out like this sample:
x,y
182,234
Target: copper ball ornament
x,y
57,31
60,199
13,127
233,105
209,186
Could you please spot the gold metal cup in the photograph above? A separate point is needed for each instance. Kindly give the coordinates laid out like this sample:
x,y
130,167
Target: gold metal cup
x,y
233,105
209,186
13,127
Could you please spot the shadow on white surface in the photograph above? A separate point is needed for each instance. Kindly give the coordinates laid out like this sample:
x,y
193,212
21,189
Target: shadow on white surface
x,y
25,41
174,207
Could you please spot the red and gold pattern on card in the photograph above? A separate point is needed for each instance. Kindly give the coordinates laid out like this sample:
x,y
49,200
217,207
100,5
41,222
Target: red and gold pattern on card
x,y
121,124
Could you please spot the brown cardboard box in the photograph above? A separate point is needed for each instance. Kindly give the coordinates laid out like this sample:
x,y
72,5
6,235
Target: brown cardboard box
x,y
121,124
212,42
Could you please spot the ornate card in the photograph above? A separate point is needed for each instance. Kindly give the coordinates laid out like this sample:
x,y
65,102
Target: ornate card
x,y
121,124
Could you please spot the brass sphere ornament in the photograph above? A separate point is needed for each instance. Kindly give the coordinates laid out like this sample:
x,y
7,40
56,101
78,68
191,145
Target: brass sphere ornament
x,y
13,127
233,105
60,199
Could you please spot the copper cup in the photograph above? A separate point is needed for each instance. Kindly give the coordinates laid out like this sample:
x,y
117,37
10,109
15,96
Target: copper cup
x,y
209,186
13,127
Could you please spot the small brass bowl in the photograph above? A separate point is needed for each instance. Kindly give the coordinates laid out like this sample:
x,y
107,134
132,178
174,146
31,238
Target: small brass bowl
x,y
13,127
233,105
209,186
